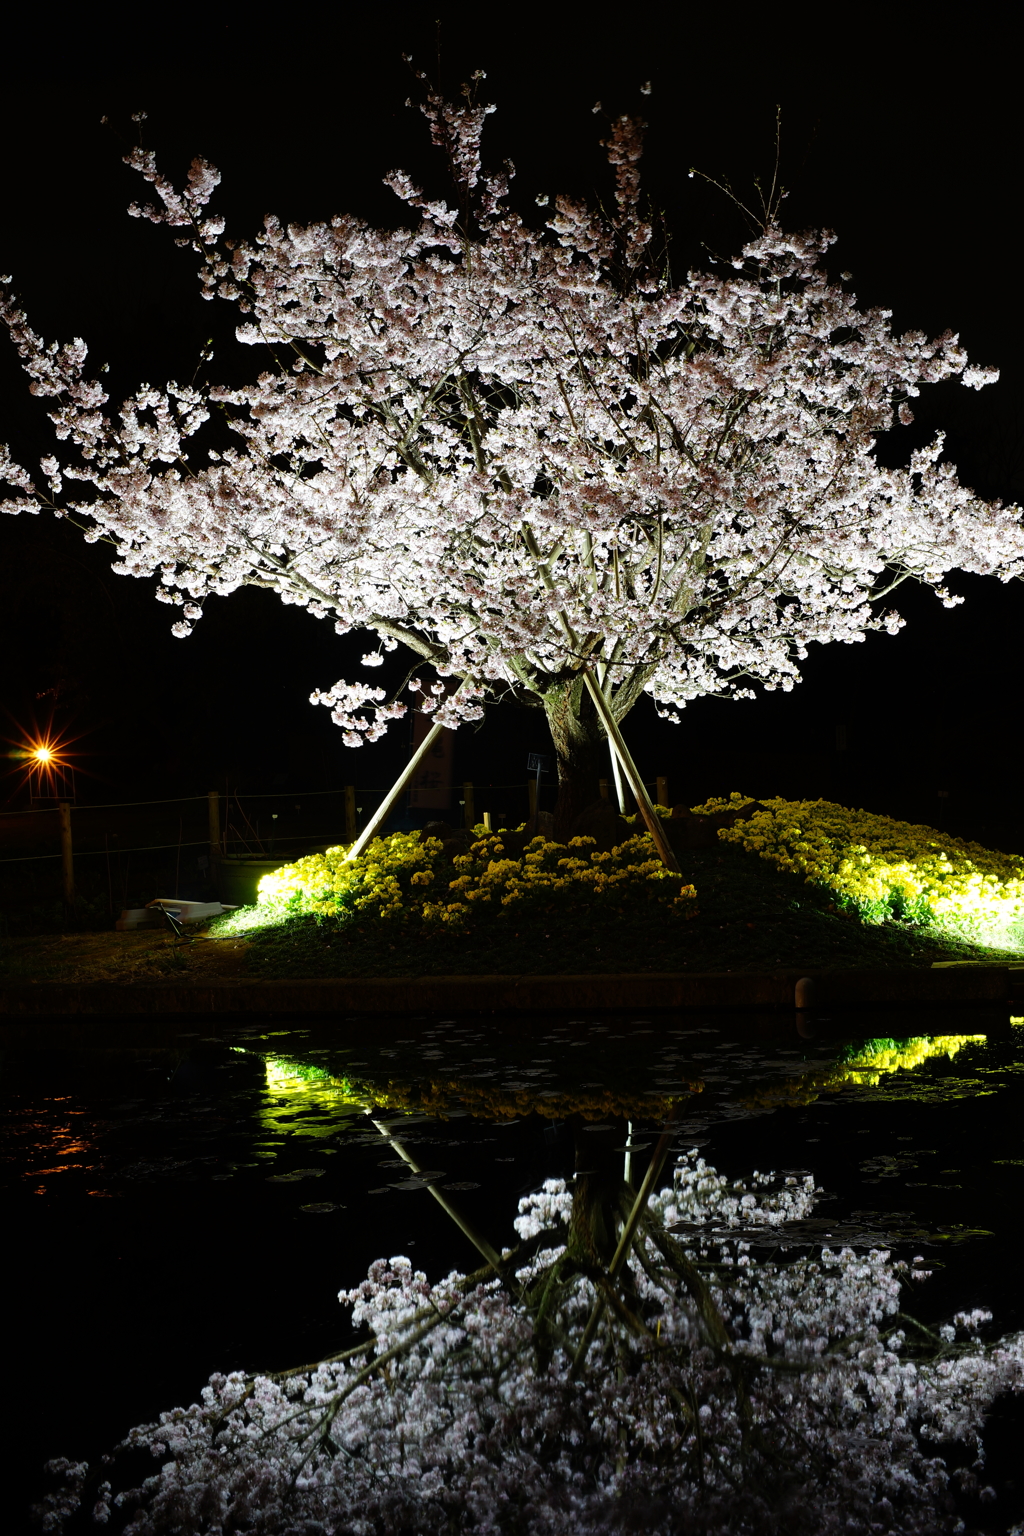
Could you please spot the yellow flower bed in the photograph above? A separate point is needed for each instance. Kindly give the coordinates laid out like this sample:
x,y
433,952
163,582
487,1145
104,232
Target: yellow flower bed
x,y
402,877
888,869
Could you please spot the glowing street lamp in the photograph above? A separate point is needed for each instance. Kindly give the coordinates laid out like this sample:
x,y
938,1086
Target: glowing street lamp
x,y
47,765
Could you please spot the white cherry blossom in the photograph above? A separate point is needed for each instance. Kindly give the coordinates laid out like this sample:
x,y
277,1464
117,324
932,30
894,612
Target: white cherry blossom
x,y
523,452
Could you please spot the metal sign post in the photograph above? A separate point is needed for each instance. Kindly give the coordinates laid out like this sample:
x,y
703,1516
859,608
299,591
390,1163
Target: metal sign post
x,y
537,763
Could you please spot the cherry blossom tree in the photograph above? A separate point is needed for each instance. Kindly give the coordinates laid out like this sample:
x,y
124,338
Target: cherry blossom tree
x,y
526,454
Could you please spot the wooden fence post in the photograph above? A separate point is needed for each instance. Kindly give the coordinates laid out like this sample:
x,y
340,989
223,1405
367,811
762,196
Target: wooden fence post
x,y
531,790
467,794
213,814
662,790
350,813
66,855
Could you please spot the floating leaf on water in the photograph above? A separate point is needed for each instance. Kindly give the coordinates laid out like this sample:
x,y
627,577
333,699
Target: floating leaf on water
x,y
319,1206
461,1186
958,1234
421,1180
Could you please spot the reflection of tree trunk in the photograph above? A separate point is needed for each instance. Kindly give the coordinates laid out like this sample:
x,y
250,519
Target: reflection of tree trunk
x,y
595,1219
581,751
600,1196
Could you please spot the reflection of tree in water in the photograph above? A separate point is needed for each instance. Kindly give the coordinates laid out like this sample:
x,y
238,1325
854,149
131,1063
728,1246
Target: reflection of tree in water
x,y
628,1366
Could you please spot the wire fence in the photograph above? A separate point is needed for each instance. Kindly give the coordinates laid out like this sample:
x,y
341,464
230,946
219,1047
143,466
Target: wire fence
x,y
256,794
92,853
255,846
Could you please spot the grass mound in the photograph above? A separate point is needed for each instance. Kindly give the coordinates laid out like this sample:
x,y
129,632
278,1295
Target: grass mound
x,y
765,898
885,870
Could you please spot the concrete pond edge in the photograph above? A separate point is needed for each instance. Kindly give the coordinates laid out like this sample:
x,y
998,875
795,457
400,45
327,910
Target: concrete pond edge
x,y
938,986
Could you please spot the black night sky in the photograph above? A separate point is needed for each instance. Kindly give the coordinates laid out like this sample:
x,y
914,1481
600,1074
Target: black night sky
x,y
907,149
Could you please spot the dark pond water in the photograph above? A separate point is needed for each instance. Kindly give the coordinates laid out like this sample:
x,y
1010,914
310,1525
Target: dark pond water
x,y
196,1205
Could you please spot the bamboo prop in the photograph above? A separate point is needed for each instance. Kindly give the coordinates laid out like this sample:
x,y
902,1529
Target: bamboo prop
x,y
636,784
620,794
386,806
654,1168
479,1242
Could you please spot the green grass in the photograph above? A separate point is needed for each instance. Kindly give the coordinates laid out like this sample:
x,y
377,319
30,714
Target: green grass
x,y
752,917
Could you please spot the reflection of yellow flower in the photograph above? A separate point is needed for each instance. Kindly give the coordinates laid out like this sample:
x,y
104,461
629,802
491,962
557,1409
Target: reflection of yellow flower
x,y
884,1056
496,1103
874,1061
302,1086
885,868
342,1096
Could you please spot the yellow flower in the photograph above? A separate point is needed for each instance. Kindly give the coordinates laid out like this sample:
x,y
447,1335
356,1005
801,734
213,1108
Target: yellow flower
x,y
888,869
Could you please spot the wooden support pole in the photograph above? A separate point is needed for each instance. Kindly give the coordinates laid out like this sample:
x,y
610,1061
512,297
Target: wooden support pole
x,y
629,768
213,817
467,795
602,785
531,790
662,791
620,793
350,813
476,1237
386,806
66,855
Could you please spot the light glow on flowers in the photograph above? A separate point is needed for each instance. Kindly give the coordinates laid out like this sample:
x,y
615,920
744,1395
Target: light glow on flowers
x,y
888,870
404,877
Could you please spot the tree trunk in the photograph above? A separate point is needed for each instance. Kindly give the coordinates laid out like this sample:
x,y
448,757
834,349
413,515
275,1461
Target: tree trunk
x,y
581,751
